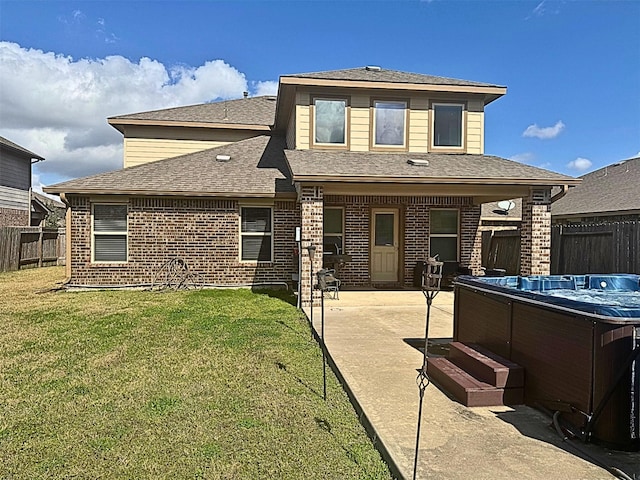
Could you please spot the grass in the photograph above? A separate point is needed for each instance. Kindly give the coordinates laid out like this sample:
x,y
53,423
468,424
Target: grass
x,y
223,384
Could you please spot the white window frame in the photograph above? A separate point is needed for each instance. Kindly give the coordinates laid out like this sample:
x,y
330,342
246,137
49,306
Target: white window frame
x,y
446,235
463,107
341,234
242,234
108,233
346,122
374,144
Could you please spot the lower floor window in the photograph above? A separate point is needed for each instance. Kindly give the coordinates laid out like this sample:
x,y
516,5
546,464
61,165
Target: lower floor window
x,y
256,234
109,233
443,234
333,227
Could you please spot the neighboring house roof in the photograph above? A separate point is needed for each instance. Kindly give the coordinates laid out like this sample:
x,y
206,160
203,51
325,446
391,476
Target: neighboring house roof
x,y
250,112
493,212
49,202
373,74
18,149
609,190
346,166
257,168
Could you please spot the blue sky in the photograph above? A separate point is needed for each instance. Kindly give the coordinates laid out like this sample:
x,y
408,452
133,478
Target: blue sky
x,y
572,68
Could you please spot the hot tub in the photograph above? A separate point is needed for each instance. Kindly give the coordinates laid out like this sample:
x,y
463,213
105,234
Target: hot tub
x,y
577,337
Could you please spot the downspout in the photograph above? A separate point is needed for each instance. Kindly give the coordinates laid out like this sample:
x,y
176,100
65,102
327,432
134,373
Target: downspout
x,y
560,194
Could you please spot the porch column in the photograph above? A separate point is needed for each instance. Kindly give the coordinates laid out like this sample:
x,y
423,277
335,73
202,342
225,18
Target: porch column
x,y
471,239
312,205
535,236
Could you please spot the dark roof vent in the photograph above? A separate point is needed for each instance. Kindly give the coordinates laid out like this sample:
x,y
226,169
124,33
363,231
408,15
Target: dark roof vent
x,y
245,94
418,162
373,68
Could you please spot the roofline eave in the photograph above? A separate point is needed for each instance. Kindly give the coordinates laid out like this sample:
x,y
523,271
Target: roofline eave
x,y
118,122
165,193
435,180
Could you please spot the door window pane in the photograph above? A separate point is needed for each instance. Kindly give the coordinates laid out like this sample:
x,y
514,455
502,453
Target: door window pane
x,y
384,229
389,123
330,121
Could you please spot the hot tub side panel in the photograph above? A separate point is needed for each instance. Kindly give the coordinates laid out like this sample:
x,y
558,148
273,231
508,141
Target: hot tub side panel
x,y
556,351
619,422
484,319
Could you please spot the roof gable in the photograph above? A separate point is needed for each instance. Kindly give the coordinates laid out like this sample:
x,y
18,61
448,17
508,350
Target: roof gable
x,y
5,143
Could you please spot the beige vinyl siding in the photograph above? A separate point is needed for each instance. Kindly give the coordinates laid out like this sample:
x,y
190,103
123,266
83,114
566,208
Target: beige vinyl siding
x,y
360,123
475,127
418,119
14,198
303,101
143,150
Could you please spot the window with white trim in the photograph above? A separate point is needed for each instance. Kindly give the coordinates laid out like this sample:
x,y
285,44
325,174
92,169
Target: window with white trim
x,y
447,125
256,237
444,228
333,227
389,123
330,121
109,242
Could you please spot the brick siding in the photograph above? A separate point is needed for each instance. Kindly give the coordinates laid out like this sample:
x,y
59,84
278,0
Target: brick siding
x,y
11,217
203,232
535,240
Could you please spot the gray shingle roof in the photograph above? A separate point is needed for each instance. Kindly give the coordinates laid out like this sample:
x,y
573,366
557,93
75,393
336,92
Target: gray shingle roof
x,y
8,143
257,168
246,111
392,76
613,188
463,167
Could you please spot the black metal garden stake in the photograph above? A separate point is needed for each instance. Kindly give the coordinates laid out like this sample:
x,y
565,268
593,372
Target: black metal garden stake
x,y
312,252
431,278
324,360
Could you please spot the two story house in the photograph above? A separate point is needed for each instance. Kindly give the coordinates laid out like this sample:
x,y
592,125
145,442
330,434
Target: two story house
x,y
16,201
387,167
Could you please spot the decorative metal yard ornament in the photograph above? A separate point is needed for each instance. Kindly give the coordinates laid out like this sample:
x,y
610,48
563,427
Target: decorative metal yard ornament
x,y
323,276
431,279
311,248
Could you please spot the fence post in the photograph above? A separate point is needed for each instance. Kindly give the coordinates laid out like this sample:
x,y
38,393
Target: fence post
x,y
40,249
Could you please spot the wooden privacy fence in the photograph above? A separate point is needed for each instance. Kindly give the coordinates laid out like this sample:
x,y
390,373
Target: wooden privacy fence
x,y
606,247
28,247
501,249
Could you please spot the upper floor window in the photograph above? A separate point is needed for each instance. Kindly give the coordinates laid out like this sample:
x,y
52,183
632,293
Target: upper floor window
x,y
109,233
330,121
256,234
447,124
389,123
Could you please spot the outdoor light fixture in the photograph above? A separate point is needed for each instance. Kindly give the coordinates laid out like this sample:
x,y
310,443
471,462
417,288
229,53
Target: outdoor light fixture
x,y
431,279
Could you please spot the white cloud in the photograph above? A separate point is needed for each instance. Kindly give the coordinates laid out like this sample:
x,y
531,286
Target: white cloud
x,y
544,133
269,87
526,157
580,164
57,106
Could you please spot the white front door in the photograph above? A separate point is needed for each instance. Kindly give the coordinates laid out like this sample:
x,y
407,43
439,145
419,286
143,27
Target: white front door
x,y
384,245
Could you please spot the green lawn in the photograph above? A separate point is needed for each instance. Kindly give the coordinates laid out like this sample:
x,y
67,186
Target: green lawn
x,y
202,384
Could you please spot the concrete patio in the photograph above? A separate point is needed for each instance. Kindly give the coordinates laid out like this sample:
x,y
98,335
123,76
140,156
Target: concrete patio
x,y
365,335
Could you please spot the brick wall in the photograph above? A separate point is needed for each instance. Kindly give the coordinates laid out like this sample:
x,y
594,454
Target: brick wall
x,y
311,207
203,232
11,217
535,236
414,211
